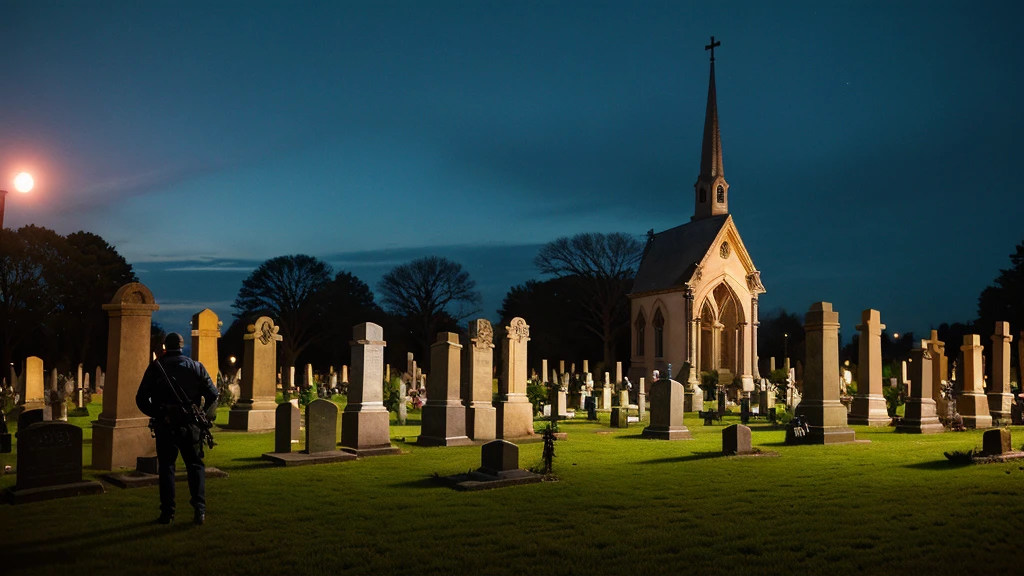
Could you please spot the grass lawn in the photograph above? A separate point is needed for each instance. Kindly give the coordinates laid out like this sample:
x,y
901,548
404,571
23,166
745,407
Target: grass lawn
x,y
621,504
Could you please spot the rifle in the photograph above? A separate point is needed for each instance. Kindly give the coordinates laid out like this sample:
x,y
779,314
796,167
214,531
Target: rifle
x,y
193,412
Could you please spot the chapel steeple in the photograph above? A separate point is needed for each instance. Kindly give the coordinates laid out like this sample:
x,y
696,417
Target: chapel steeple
x,y
711,192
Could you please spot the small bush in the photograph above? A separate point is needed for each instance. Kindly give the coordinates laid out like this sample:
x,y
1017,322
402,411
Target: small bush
x,y
537,394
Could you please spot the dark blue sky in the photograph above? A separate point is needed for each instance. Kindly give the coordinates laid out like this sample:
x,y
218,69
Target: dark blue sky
x,y
870,146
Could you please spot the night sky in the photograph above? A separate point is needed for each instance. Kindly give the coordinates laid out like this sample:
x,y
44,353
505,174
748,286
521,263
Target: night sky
x,y
871,147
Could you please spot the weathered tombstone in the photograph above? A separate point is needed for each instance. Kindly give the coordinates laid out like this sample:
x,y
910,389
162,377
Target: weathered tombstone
x,y
344,373
255,409
205,333
972,403
586,366
667,412
606,393
444,416
365,423
308,380
919,413
996,442
321,426
940,371
869,405
32,376
50,463
591,407
284,417
820,405
476,381
499,456
515,412
618,373
121,434
619,417
641,400
771,364
999,397
403,409
29,417
543,370
736,440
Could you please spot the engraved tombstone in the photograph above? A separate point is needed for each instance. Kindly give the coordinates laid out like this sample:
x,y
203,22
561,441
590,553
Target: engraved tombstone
x,y
667,412
365,422
321,426
515,412
255,409
820,405
476,381
205,333
444,416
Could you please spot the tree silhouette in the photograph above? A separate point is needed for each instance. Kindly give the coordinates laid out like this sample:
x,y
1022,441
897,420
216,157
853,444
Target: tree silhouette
x,y
429,293
605,265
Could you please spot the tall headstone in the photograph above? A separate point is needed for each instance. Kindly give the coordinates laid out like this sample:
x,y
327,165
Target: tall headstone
x,y
257,393
869,405
820,405
667,412
205,333
919,413
121,434
515,412
365,422
344,373
321,426
606,393
476,380
641,400
940,372
544,370
618,373
586,366
444,416
308,380
285,418
32,376
98,381
403,409
972,403
999,397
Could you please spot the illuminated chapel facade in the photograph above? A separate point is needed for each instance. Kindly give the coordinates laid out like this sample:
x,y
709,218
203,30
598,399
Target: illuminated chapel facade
x,y
695,295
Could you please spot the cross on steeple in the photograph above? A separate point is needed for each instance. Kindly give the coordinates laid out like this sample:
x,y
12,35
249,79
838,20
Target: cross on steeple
x,y
712,47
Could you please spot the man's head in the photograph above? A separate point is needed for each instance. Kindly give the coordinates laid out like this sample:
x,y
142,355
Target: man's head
x,y
174,341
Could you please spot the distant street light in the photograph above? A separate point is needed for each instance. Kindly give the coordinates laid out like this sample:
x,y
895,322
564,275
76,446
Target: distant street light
x,y
22,183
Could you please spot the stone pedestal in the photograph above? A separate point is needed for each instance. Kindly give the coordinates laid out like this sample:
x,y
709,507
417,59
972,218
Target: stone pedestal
x,y
972,403
481,417
365,424
999,397
121,433
869,404
254,410
667,412
693,399
444,416
919,413
205,333
515,413
820,405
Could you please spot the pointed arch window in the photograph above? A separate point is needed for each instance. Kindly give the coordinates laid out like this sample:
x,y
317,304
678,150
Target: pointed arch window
x,y
641,333
721,194
659,334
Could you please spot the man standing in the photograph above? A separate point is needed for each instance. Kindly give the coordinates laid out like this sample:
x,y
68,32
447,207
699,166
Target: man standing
x,y
169,387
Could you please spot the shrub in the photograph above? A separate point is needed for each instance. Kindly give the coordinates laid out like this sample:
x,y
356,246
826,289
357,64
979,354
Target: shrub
x,y
392,394
894,398
537,394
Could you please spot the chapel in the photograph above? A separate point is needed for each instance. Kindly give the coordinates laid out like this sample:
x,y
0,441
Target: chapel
x,y
694,298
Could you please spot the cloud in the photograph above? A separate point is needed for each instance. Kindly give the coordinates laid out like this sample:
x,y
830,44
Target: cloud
x,y
211,269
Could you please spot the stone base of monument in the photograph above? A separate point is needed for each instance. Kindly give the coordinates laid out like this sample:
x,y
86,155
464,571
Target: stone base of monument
x,y
251,420
868,411
306,459
15,496
146,474
479,480
671,433
974,409
370,452
451,441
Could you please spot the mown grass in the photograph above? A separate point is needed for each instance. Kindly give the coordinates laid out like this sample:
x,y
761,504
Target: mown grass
x,y
621,504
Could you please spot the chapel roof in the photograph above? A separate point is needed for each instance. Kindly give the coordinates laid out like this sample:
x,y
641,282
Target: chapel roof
x,y
671,256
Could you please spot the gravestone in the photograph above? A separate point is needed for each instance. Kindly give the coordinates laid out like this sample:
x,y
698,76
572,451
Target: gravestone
x,y
285,417
606,393
919,415
940,371
591,407
403,409
365,422
869,405
205,333
257,393
444,416
996,442
477,392
972,403
641,400
499,456
32,377
515,412
824,413
29,417
619,417
999,397
736,440
121,433
321,426
667,412
50,463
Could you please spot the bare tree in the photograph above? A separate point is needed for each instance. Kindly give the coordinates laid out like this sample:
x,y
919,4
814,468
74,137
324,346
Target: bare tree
x,y
286,288
604,265
428,292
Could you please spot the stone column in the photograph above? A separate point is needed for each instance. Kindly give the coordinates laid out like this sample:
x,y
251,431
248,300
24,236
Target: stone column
x,y
121,434
365,423
940,370
692,335
444,416
754,323
919,416
999,396
716,346
641,400
869,405
972,403
205,333
515,413
257,392
476,379
743,358
826,416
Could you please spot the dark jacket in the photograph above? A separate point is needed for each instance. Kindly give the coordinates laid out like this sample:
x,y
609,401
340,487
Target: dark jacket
x,y
190,378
